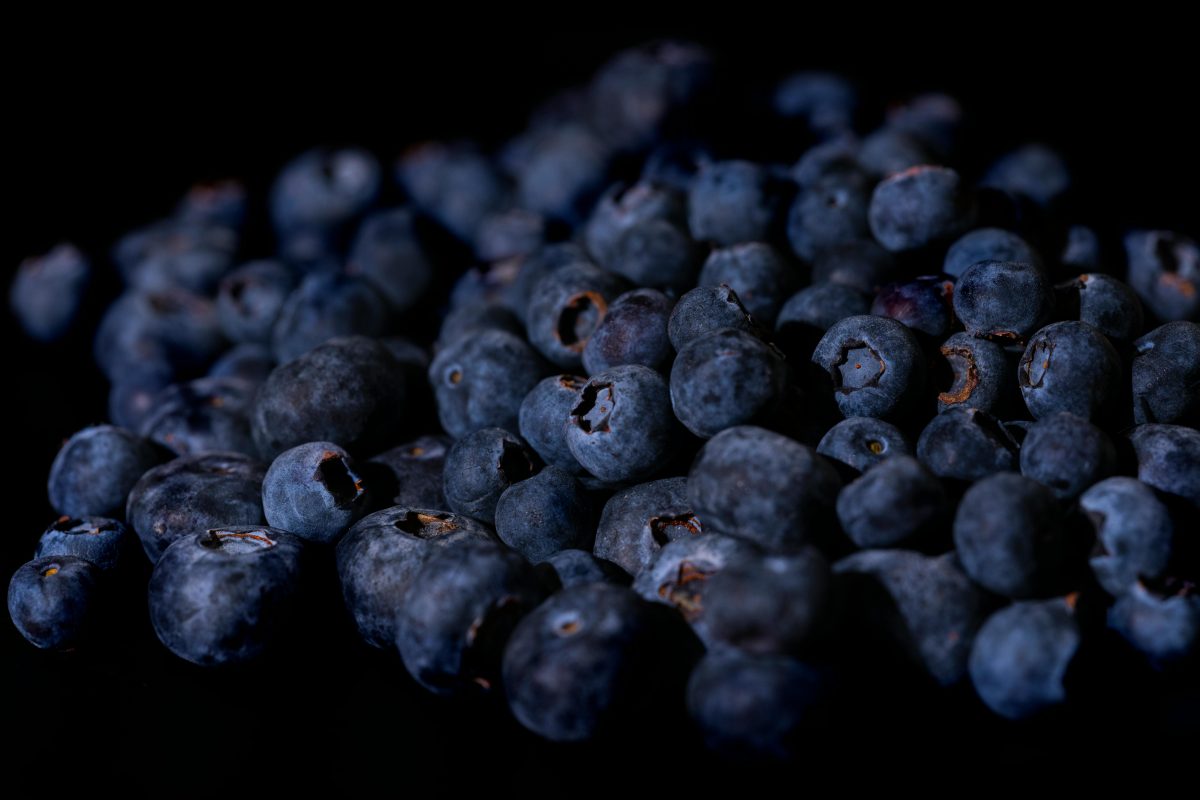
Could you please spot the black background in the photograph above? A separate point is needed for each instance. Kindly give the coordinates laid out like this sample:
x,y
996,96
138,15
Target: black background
x,y
106,133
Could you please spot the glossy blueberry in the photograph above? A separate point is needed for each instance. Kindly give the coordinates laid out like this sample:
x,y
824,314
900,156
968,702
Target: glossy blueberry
x,y
923,305
95,539
564,173
634,331
1134,533
52,600
380,554
760,276
388,254
349,390
622,427
892,501
565,309
579,567
226,595
1034,171
195,493
1163,625
480,466
251,298
1009,534
1166,374
454,184
206,415
724,379
94,471
411,472
862,442
966,444
314,491
811,311
829,213
1002,300
704,310
861,265
544,514
323,189
1164,269
1021,656
323,307
48,291
1082,249
979,375
988,244
1067,453
735,201
768,604
458,612
1105,303
246,362
1168,459
1069,366
919,206
639,521
824,100
480,381
876,366
762,486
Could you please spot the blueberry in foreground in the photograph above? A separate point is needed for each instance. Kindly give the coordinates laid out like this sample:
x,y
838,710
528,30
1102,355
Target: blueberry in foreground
x,y
633,332
622,427
1166,375
579,567
96,468
1069,366
760,275
639,521
544,514
52,600
1005,301
96,539
412,471
1106,304
704,310
966,444
314,491
980,375
480,381
565,309
861,442
226,595
1134,533
923,304
875,364
480,466
813,310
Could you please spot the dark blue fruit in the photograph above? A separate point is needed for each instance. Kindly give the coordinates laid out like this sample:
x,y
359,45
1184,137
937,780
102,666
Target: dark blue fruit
x,y
736,201
1134,533
633,332
387,253
544,514
979,374
1033,171
1166,374
411,473
52,600
988,244
323,307
1165,625
454,184
207,415
704,310
861,442
251,298
622,426
94,471
48,291
314,491
639,521
565,309
1164,269
1105,303
1168,459
894,500
760,276
923,304
810,312
966,444
1069,366
726,378
919,206
543,419
1067,453
479,381
1004,301
96,539
579,567
480,466
828,213
875,364
321,190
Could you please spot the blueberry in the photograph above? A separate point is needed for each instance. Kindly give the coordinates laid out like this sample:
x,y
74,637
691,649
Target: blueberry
x,y
988,244
388,254
206,415
813,310
979,375
876,366
736,201
95,539
481,380
321,190
131,400
828,213
634,331
565,308
659,254
704,310
1166,374
1134,533
474,318
1002,300
924,304
1069,366
454,184
509,233
160,334
919,206
48,291
762,486
325,306
380,554
627,208
861,442
543,419
1082,249
458,612
824,100
1010,536
415,471
226,595
195,493
1021,656
564,173
836,156
1164,269
1068,454
314,491
676,163
887,152
480,466
251,298
176,255
579,567
94,471
1034,171
762,278
862,265
52,600
894,500
544,514
1164,626
349,391
529,270
639,521
622,427
1106,304
966,444
593,659
1168,459
246,362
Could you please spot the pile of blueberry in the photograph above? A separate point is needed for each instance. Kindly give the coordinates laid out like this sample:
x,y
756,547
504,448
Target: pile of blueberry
x,y
610,425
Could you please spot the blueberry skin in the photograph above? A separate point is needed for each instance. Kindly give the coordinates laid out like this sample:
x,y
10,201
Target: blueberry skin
x,y
659,254
937,609
762,278
1164,270
1166,374
458,612
634,331
828,213
509,233
544,514
1106,304
579,567
988,244
314,491
388,254
480,466
966,444
888,152
639,521
1165,627
176,254
1068,454
195,493
225,596
565,171
824,100
1069,366
533,267
1009,535
980,371
924,304
1034,171
1134,533
130,401
480,381
565,308
892,501
321,190
594,658
753,705
704,310
763,487
247,362
380,554
1082,249
348,390
861,265
813,310
1168,459
862,442
94,471
919,206
96,539
622,427
724,379
543,419
414,473
768,604
160,334
680,575
52,600
735,201
1021,656
48,291
454,184
836,156
207,415
325,306
1003,300
624,208
251,298
876,366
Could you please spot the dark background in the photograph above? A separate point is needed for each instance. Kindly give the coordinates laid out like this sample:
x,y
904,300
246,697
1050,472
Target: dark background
x,y
105,134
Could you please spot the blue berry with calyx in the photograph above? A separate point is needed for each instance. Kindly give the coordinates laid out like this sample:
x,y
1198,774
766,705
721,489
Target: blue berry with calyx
x,y
1168,458
480,466
1134,533
96,539
988,244
52,601
861,442
807,314
96,468
639,521
48,292
565,309
207,415
975,373
410,473
1166,375
919,206
314,491
1162,622
634,331
480,381
736,201
543,418
1164,270
1105,303
966,444
894,501
251,298
622,427
875,364
544,514
1068,454
1069,366
760,276
1004,301
828,213
704,310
